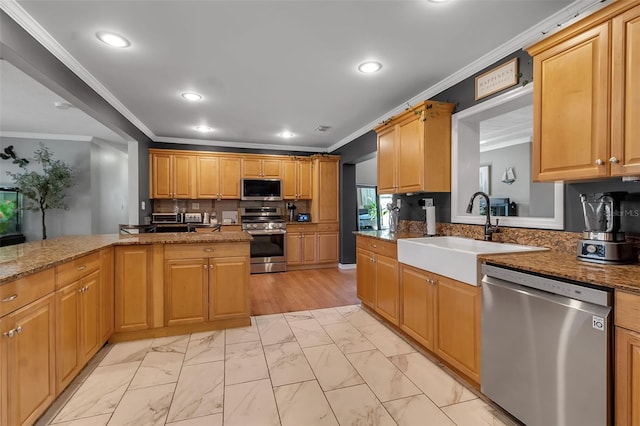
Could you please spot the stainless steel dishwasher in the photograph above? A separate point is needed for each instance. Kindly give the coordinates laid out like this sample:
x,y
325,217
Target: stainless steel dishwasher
x,y
546,348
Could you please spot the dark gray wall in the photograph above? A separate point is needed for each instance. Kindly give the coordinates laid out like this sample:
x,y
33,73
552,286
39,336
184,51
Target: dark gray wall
x,y
24,52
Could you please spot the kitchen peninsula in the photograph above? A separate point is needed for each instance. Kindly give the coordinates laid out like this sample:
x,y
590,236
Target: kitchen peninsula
x,y
62,299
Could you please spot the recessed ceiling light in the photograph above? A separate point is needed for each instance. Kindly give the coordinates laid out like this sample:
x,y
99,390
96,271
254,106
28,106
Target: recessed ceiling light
x,y
62,105
190,96
203,129
369,67
286,134
113,39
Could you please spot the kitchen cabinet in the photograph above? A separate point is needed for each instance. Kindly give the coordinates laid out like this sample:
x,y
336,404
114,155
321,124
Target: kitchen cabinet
x,y
627,358
106,294
328,243
301,242
586,97
324,203
457,332
377,277
414,150
27,351
218,177
297,179
418,289
206,282
256,167
133,288
172,174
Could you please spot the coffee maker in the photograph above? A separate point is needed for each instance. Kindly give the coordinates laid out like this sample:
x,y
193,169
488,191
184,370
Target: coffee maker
x,y
603,242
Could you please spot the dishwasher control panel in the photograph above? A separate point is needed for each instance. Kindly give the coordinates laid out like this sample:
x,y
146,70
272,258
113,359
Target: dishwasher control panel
x,y
555,286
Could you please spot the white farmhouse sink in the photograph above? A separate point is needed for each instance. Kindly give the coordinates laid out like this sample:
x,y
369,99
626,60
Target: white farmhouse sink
x,y
453,257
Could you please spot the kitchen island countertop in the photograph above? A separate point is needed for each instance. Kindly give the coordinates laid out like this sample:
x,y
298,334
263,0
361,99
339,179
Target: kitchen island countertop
x,y
23,259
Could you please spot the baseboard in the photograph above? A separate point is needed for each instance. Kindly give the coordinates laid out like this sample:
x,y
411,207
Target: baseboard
x,y
346,266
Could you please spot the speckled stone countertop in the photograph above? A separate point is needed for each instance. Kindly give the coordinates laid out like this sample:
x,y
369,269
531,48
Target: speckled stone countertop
x,y
387,236
24,259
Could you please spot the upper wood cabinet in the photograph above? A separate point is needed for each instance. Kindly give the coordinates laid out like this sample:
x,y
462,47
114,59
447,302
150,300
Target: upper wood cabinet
x,y
297,179
256,167
414,150
218,177
587,80
324,203
172,175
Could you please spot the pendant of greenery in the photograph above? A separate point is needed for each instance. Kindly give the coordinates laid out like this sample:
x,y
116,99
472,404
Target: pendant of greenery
x,y
44,191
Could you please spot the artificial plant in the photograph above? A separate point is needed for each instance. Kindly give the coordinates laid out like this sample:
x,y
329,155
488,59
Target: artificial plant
x,y
46,190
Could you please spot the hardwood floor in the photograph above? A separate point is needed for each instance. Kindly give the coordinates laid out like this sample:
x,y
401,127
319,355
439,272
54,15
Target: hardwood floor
x,y
302,290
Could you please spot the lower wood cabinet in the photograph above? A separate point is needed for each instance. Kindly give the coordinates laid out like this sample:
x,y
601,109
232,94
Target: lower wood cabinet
x,y
186,291
365,277
457,336
106,293
627,358
312,244
27,370
133,288
301,247
418,289
229,287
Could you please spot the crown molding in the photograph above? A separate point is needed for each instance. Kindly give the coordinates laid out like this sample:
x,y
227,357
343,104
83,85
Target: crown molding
x,y
230,144
576,10
46,136
31,26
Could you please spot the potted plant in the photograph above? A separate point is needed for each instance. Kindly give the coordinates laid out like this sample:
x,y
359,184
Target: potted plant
x,y
46,190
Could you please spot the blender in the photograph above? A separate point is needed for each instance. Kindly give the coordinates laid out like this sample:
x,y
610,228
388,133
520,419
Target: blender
x,y
603,242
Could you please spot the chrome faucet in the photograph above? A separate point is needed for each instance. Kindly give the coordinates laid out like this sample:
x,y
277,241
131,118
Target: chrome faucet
x,y
489,229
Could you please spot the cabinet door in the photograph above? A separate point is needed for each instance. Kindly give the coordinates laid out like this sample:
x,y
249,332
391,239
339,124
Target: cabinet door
x,y
327,247
457,338
571,113
365,277
387,162
387,289
182,176
290,179
627,377
230,178
625,96
228,287
304,179
89,316
251,168
417,289
133,288
161,185
68,361
410,155
324,204
30,358
186,291
106,294
309,247
207,171
271,168
294,249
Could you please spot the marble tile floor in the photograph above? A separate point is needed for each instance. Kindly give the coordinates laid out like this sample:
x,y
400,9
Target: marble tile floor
x,y
335,366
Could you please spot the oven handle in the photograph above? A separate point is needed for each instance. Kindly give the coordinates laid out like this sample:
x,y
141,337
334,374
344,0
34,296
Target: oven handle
x,y
270,232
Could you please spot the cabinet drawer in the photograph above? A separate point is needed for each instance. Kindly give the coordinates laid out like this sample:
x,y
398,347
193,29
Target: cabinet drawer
x,y
627,310
328,227
385,248
199,251
23,291
302,228
75,269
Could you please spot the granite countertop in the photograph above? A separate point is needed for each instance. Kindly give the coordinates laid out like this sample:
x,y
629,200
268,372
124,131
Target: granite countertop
x,y
387,236
24,259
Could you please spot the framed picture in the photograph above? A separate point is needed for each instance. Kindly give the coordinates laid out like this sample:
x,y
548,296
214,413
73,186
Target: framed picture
x,y
501,77
485,179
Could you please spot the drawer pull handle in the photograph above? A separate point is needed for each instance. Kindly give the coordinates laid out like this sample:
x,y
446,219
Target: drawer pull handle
x,y
82,268
208,250
10,298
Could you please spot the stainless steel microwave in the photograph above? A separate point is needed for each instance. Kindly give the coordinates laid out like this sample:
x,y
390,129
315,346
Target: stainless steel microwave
x,y
261,189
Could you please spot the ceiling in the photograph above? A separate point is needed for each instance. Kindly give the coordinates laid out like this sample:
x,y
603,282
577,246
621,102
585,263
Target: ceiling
x,y
267,66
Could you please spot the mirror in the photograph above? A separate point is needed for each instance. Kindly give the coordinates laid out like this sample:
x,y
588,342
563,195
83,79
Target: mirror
x,y
491,151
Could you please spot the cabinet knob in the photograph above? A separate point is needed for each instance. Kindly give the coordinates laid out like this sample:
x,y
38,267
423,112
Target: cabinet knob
x,y
614,160
82,268
19,329
208,250
10,298
205,266
599,162
10,333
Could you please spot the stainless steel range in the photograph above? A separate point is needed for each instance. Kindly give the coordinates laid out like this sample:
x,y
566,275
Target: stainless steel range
x,y
268,229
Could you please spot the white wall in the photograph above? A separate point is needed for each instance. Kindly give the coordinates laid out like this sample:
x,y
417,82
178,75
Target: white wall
x,y
367,172
96,201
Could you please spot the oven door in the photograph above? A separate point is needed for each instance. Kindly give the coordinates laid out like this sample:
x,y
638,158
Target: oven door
x,y
268,251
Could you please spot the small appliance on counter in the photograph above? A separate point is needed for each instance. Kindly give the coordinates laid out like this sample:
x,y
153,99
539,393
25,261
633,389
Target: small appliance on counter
x,y
292,210
229,217
603,242
165,218
193,217
304,217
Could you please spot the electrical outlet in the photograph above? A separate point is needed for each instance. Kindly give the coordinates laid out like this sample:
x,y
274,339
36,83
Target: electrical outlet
x,y
399,203
143,205
195,206
428,202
